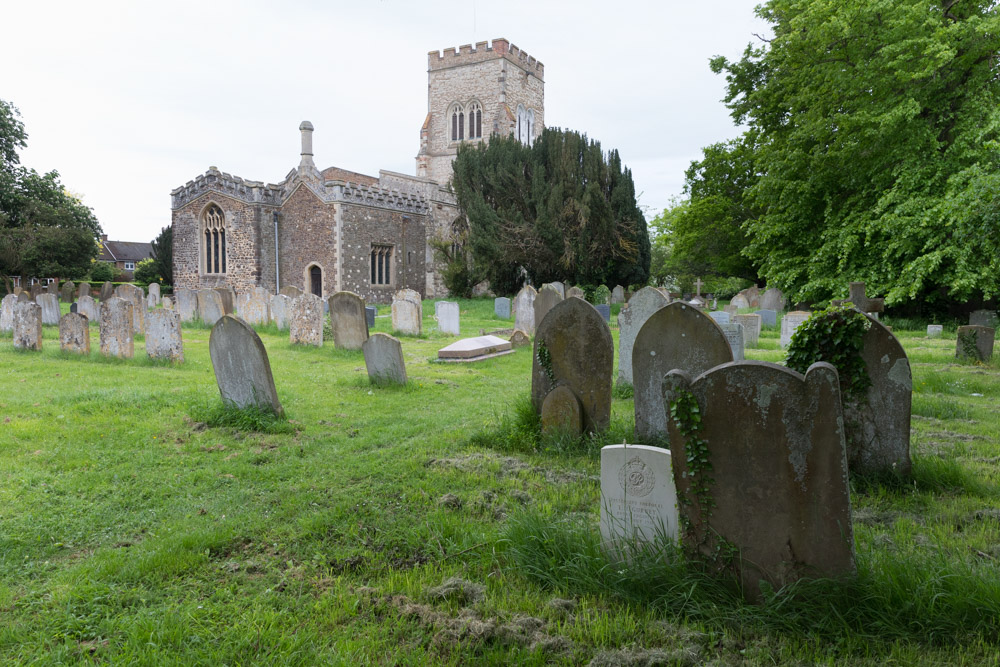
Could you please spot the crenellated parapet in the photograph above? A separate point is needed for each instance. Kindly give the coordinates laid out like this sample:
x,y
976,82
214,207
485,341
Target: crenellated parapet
x,y
483,51
380,197
251,192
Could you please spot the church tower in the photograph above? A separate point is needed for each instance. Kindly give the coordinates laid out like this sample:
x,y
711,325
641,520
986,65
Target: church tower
x,y
473,93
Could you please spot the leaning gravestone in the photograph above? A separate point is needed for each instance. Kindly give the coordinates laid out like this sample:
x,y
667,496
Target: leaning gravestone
x,y
305,320
983,318
720,316
935,330
241,367
562,412
573,347
163,335
768,317
187,304
370,313
638,498
210,308
50,308
74,333
739,301
547,297
7,312
501,307
789,323
83,290
27,326
776,471
974,342
577,292
67,292
228,298
116,328
407,312
384,359
447,313
735,338
23,297
632,316
618,295
772,299
675,336
107,291
524,310
751,328
348,321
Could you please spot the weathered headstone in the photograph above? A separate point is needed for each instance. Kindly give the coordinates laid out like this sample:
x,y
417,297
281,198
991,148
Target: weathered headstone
x,y
163,335
241,366
519,339
618,295
228,298
83,290
546,298
720,316
167,303
72,308
290,291
983,318
52,288
23,297
27,326
254,309
74,333
776,471
348,320
974,342
562,412
573,346
116,328
638,498
475,349
67,292
675,336
739,301
305,320
501,307
407,312
524,310
36,289
935,330
602,295
789,323
107,290
735,338
187,304
751,328
632,316
557,286
577,292
370,313
17,290
7,312
731,309
768,317
772,299
447,315
153,295
50,308
137,298
605,311
384,359
280,308
210,308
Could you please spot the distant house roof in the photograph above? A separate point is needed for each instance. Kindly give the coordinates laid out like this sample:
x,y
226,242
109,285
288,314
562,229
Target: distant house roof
x,y
124,251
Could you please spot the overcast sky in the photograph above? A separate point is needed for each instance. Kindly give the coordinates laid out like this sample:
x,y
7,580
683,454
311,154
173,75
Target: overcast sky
x,y
129,100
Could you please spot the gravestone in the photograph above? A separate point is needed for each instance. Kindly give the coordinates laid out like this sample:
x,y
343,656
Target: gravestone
x,y
789,323
605,311
7,312
384,359
210,308
83,290
23,297
407,312
447,315
254,309
187,304
116,328
52,288
67,292
632,316
280,309
107,291
17,290
751,328
557,286
348,321
935,330
562,412
618,295
27,326
734,336
573,346
524,310
577,292
863,303
88,307
290,291
768,317
739,301
772,299
547,297
305,320
501,307
167,303
50,308
370,313
475,349
675,336
137,298
519,339
74,333
72,308
163,335
228,298
720,316
974,342
778,479
153,295
983,318
241,366
731,309
638,498
36,289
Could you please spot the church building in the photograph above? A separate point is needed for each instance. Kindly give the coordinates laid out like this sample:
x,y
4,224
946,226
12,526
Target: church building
x,y
329,230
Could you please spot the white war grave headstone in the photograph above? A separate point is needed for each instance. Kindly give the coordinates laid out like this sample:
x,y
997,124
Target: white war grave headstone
x,y
638,498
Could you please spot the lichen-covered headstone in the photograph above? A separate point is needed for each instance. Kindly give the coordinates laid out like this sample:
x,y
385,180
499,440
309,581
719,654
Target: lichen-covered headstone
x,y
384,359
983,318
348,321
557,286
305,320
7,312
167,303
210,307
519,339
254,309
751,327
242,369
87,306
74,333
618,295
447,315
290,291
83,290
187,304
675,336
735,337
561,412
524,310
228,298
770,478
632,316
50,308
739,301
501,307
638,498
935,330
573,346
27,326
772,299
163,335
407,312
107,290
577,292
280,307
23,297
545,300
36,289
116,328
974,342
789,323
137,298
67,292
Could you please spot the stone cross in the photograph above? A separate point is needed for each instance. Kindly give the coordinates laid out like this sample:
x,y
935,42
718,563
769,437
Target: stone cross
x,y
698,285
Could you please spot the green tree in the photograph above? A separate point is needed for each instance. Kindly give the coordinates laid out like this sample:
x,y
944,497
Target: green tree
x,y
875,133
163,255
101,272
146,271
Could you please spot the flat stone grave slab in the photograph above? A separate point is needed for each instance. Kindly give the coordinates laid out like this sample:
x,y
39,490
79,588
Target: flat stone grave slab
x,y
475,349
638,498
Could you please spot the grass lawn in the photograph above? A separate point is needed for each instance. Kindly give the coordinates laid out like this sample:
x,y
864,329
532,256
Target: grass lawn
x,y
425,524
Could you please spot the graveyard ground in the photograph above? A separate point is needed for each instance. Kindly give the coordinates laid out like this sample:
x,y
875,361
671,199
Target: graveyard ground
x,y
141,524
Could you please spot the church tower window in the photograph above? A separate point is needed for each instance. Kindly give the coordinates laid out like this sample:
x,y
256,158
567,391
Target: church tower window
x,y
381,264
525,130
475,121
213,225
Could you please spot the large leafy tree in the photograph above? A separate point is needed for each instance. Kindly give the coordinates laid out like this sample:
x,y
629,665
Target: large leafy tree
x,y
559,209
163,255
44,229
875,132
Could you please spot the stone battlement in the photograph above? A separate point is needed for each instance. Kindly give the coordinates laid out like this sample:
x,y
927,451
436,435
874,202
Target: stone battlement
x,y
483,51
227,184
382,197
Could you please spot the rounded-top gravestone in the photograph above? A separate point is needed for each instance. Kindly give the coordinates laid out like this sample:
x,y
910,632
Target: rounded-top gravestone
x,y
524,310
384,359
632,316
242,369
407,312
545,300
348,320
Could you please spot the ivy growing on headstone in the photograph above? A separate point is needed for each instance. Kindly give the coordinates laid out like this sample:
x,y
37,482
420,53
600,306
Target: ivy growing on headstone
x,y
836,336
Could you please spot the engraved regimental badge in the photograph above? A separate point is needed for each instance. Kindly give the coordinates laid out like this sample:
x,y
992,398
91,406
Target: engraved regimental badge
x,y
636,478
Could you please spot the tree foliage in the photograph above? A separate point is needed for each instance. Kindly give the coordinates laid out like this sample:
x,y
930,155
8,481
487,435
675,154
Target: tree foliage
x,y
875,132
559,209
163,255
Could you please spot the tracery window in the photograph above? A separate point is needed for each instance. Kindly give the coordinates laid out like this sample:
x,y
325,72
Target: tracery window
x,y
457,123
475,121
381,264
213,226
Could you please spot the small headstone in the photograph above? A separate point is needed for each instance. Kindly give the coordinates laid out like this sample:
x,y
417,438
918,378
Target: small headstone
x,y
116,328
107,291
241,366
27,326
72,308
210,308
153,295
187,304
348,321
768,318
935,330
255,310
83,290
475,349
280,308
577,292
638,498
163,335
731,309
975,342
789,323
524,310
772,299
751,328
734,336
547,297
53,289
605,311
88,307
74,333
384,359
632,316
562,412
447,315
290,291
17,290
740,301
983,318
519,339
67,292
305,321
36,289
720,316
167,303
228,298
7,312
50,308
618,295
602,295
370,313
24,297
501,307
407,312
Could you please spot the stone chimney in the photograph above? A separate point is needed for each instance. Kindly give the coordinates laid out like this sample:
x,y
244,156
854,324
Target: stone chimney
x,y
307,144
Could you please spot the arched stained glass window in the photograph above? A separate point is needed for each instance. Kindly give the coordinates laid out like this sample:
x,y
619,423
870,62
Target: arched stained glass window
x,y
213,224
